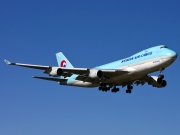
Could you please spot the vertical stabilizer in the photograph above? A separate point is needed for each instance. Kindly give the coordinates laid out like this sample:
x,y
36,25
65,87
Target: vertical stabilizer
x,y
63,61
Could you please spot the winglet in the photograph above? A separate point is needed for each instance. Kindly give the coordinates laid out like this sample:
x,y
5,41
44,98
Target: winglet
x,y
7,62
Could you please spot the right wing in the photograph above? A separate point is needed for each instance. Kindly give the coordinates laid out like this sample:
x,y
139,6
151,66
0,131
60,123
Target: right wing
x,y
151,80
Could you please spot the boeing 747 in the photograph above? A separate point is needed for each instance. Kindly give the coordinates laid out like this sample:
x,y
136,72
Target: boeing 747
x,y
125,72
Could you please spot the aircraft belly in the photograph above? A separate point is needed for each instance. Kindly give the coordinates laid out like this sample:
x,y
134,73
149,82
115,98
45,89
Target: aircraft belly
x,y
82,84
126,78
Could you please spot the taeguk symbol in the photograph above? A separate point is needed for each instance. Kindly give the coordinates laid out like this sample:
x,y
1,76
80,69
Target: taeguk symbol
x,y
63,63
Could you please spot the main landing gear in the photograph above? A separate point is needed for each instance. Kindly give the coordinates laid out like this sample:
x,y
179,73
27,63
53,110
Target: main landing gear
x,y
161,80
114,89
103,87
129,89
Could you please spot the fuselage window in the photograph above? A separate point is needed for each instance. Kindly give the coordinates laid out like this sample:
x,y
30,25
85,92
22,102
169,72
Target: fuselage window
x,y
163,47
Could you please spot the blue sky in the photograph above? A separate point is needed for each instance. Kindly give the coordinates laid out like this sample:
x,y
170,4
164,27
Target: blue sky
x,y
89,33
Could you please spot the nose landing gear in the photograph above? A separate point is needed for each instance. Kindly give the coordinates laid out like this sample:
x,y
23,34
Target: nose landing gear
x,y
161,80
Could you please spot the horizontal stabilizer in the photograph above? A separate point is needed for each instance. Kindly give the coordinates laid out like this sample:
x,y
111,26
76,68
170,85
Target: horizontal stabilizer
x,y
51,79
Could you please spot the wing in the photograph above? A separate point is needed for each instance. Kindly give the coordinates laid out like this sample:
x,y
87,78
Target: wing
x,y
83,73
49,69
151,80
28,65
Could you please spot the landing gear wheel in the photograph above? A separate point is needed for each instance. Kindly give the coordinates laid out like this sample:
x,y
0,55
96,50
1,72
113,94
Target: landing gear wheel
x,y
128,91
160,80
164,83
129,87
161,76
115,89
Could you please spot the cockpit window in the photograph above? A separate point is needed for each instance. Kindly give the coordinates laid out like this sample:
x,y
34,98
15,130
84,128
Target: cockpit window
x,y
163,47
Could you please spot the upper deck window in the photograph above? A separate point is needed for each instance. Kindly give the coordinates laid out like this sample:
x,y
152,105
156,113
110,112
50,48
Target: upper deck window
x,y
163,47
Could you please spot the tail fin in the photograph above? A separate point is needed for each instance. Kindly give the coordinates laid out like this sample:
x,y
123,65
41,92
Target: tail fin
x,y
63,61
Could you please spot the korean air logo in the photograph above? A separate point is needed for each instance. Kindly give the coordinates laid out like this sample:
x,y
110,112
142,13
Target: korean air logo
x,y
63,63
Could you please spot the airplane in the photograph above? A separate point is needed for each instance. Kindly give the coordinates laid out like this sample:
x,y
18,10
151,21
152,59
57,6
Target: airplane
x,y
127,72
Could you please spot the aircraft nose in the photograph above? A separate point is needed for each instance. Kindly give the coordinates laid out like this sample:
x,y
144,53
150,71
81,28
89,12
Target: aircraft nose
x,y
173,54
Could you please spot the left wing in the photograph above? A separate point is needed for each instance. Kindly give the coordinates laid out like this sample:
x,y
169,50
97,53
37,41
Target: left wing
x,y
83,73
49,69
27,65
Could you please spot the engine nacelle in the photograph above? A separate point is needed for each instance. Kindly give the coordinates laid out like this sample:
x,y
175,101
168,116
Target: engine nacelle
x,y
155,78
54,71
94,73
157,83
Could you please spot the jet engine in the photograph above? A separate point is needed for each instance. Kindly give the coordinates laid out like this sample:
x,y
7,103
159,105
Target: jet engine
x,y
94,73
158,82
54,71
